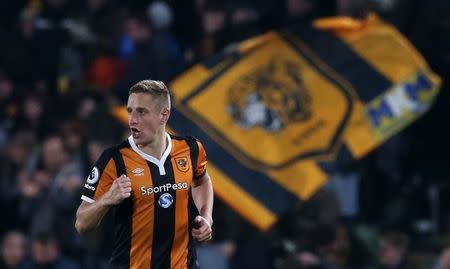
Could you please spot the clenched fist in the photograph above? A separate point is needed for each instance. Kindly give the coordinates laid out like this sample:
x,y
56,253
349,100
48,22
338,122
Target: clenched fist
x,y
119,191
202,231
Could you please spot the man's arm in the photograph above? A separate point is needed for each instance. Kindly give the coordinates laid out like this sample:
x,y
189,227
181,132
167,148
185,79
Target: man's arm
x,y
203,195
89,215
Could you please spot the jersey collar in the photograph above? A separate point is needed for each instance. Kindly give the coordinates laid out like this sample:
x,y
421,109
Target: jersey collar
x,y
150,158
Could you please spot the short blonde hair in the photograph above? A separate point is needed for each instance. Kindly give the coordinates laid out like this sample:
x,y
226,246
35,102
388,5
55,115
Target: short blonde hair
x,y
157,89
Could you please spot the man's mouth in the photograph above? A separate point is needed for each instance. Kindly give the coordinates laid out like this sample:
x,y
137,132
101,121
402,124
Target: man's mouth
x,y
135,132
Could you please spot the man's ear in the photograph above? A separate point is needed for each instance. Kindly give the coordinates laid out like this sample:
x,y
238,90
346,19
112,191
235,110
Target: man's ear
x,y
165,115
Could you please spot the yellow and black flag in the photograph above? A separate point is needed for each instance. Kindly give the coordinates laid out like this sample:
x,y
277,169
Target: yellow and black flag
x,y
275,110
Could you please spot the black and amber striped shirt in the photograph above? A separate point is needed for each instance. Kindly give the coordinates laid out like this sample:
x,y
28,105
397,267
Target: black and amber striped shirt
x,y
152,228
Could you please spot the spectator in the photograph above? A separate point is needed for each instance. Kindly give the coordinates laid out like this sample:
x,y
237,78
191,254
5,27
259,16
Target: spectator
x,y
12,162
13,250
8,108
156,54
31,115
300,11
214,29
244,20
53,155
392,251
46,254
161,17
49,37
188,24
344,183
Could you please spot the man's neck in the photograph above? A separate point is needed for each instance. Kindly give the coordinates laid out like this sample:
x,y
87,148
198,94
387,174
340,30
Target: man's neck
x,y
157,147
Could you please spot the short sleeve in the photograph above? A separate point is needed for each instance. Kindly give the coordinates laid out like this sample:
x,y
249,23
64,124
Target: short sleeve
x,y
201,161
100,178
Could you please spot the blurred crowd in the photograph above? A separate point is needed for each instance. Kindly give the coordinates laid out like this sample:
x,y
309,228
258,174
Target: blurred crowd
x,y
64,64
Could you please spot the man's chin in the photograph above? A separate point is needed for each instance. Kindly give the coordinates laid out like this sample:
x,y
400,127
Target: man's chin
x,y
140,141
137,139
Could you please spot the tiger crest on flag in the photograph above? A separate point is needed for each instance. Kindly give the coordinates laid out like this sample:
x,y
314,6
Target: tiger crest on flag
x,y
272,96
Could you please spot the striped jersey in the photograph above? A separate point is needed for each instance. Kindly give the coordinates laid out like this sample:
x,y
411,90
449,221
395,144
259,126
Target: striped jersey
x,y
152,227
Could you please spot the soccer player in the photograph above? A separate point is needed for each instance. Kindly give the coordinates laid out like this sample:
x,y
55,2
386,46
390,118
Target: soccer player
x,y
151,182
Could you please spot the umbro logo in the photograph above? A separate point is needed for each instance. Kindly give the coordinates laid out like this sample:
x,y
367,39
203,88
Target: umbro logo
x,y
138,171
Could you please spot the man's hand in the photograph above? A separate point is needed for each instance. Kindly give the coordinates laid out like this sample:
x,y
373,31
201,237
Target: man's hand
x,y
119,191
89,215
202,231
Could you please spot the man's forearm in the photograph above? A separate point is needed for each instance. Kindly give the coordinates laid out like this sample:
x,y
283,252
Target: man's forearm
x,y
89,216
203,196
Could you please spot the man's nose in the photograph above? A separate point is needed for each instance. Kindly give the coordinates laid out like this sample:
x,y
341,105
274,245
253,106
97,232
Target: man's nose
x,y
132,119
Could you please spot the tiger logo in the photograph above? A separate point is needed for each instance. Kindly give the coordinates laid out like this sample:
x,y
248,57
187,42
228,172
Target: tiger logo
x,y
271,97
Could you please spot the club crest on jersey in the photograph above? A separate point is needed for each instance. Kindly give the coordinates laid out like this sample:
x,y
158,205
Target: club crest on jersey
x,y
165,200
182,164
93,176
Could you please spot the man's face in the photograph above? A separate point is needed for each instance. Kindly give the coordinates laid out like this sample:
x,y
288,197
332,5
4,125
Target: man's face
x,y
54,154
13,249
390,255
136,30
145,118
44,252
